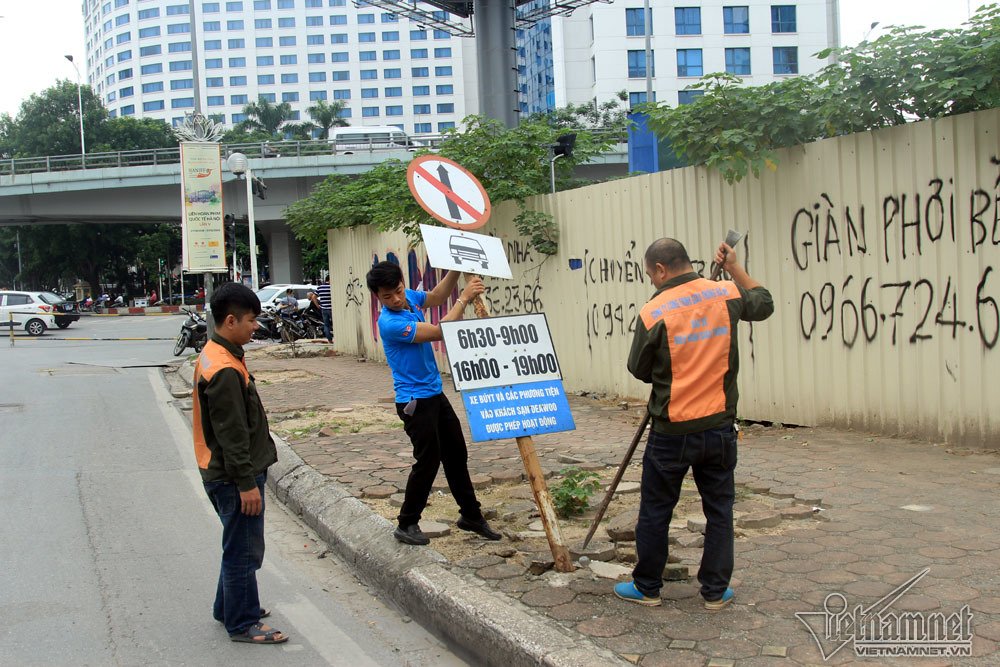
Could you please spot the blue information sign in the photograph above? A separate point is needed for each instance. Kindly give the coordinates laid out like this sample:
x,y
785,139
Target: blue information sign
x,y
517,410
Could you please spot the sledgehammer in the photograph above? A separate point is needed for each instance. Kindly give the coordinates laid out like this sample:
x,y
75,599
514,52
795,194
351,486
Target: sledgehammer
x,y
732,238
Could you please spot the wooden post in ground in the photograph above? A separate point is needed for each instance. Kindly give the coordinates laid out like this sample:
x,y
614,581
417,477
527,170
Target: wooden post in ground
x,y
526,446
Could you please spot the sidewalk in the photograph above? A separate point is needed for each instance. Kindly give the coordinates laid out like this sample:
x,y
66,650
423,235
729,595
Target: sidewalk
x,y
819,511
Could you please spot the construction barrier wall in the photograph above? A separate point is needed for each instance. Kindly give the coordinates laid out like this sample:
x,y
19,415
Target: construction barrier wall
x,y
880,248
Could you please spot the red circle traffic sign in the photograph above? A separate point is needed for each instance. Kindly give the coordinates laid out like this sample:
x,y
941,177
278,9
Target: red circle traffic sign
x,y
448,191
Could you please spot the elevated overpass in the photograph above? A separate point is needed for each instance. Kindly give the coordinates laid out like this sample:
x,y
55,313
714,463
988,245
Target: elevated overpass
x,y
144,187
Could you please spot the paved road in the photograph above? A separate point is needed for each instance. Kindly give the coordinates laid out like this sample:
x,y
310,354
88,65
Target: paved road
x,y
110,549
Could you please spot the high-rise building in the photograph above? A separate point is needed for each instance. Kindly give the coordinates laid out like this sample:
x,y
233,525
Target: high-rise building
x,y
600,49
387,70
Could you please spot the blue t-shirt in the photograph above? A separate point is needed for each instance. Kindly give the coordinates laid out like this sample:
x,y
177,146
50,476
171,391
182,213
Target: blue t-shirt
x,y
414,371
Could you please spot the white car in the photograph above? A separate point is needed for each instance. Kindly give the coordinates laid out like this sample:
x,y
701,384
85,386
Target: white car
x,y
30,310
272,294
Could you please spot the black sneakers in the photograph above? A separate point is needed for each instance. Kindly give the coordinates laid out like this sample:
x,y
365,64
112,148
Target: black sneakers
x,y
480,527
412,535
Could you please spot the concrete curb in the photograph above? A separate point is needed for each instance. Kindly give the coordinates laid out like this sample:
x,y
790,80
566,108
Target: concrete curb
x,y
489,625
149,310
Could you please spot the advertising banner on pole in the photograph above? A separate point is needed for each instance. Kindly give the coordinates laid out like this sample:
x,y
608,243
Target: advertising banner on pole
x,y
202,231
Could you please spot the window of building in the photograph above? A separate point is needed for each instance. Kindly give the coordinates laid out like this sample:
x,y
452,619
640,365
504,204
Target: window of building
x,y
394,110
149,13
182,103
420,72
736,20
239,117
286,4
180,66
345,113
314,3
211,26
238,62
216,100
444,52
390,36
738,61
637,64
635,22
286,41
265,61
213,45
369,93
178,28
338,19
364,19
237,80
369,74
237,43
395,91
337,3
366,37
316,58
446,125
124,37
314,20
155,105
389,18
314,40
367,56
390,54
446,89
152,87
154,68
214,82
289,60
688,96
444,70
122,20
265,79
369,112
234,6
317,95
338,38
260,5
262,24
264,42
421,108
418,54
210,7
174,10
446,108
687,20
290,78
153,50
181,84
422,128
239,99
234,25
125,55
417,35
782,18
441,34
128,110
689,62
342,94
286,22
635,99
392,73
213,63
420,91
289,97
317,77
339,57
786,60
340,75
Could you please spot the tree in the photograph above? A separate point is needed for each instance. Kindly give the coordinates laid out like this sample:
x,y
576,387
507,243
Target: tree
x,y
324,116
906,74
267,117
48,123
132,134
511,163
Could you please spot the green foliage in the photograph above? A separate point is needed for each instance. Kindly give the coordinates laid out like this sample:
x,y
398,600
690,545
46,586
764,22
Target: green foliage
x,y
133,134
48,123
511,163
571,496
324,116
268,118
906,74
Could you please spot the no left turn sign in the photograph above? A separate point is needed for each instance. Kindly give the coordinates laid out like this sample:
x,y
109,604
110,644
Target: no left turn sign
x,y
448,192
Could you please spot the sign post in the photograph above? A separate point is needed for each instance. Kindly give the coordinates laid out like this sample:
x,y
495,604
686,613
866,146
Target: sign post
x,y
455,197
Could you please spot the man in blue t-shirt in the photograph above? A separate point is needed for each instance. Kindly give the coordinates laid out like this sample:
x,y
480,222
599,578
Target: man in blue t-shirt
x,y
428,418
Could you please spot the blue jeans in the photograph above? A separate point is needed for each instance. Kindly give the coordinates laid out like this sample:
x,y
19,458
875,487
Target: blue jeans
x,y
712,455
236,601
327,324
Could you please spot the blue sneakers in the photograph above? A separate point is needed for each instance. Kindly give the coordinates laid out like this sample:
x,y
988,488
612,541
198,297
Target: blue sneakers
x,y
627,591
721,603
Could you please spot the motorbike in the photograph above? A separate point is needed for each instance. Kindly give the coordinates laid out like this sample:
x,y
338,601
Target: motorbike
x,y
194,333
268,327
314,322
291,327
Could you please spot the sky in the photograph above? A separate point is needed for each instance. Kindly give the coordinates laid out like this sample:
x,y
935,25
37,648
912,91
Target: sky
x,y
36,35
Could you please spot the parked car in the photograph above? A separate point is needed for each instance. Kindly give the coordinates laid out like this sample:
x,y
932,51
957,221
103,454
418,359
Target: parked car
x,y
64,311
272,294
28,310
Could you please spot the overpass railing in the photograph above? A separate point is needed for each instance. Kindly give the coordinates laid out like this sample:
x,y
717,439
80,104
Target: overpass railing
x,y
158,156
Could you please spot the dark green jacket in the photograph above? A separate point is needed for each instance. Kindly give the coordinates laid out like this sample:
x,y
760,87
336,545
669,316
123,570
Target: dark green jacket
x,y
685,344
232,441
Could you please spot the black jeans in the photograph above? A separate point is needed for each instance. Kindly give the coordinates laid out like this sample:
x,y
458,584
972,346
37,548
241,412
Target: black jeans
x,y
712,455
437,440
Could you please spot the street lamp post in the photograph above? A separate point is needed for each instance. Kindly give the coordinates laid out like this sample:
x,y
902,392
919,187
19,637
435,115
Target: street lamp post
x,y
240,167
79,102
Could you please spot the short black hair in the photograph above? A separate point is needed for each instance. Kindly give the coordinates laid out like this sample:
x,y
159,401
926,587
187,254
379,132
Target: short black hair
x,y
233,299
668,252
384,275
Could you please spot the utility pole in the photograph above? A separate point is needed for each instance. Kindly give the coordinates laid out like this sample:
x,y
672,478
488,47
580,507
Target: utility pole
x,y
18,259
647,19
196,80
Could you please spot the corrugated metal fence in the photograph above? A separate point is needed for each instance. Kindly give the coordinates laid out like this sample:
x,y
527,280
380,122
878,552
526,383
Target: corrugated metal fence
x,y
881,251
